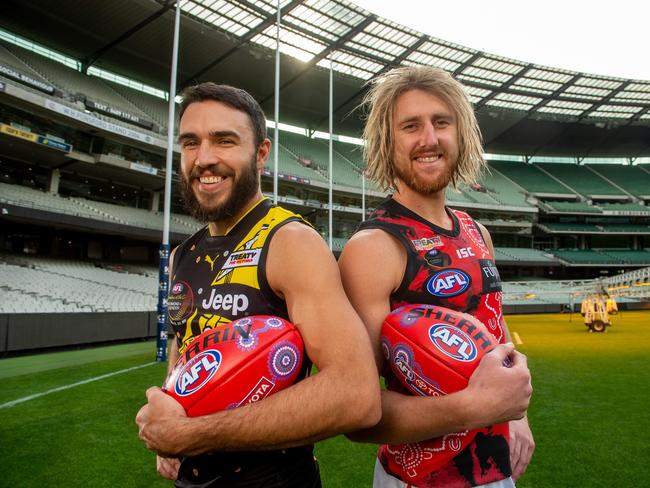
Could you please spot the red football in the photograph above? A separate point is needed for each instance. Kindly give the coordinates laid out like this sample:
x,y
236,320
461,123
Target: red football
x,y
236,364
432,350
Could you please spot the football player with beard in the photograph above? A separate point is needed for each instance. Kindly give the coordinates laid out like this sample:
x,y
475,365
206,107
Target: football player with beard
x,y
421,136
288,272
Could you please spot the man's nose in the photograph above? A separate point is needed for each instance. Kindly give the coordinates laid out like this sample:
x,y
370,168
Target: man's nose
x,y
429,136
206,155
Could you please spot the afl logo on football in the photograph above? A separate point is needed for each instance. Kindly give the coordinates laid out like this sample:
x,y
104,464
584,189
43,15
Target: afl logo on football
x,y
197,372
448,283
453,342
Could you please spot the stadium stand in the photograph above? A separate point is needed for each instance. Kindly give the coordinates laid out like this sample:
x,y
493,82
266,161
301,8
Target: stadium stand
x,y
626,228
8,58
570,227
154,107
68,80
505,198
503,190
569,207
640,256
523,255
64,286
627,208
531,178
315,153
92,209
585,256
289,151
582,180
633,179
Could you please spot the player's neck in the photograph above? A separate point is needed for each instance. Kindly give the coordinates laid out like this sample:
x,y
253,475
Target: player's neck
x,y
222,227
429,207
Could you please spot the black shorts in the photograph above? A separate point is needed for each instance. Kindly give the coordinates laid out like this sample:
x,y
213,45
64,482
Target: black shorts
x,y
286,468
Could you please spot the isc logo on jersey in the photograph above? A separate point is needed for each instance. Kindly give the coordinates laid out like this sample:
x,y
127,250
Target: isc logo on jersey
x,y
452,342
197,372
448,283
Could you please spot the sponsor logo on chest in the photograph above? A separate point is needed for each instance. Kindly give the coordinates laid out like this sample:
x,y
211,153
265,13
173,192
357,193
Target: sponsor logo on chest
x,y
229,302
250,257
426,243
448,283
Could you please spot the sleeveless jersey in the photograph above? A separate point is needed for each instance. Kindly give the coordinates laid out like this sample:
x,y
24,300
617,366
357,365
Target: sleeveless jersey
x,y
214,281
452,269
218,279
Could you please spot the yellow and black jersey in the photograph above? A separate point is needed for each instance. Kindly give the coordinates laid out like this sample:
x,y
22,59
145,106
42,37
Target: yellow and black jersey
x,y
218,279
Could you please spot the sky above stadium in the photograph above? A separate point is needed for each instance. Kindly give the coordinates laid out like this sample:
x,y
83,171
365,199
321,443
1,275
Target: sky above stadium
x,y
605,37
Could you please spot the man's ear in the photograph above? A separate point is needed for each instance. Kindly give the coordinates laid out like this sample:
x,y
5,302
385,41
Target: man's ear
x,y
263,151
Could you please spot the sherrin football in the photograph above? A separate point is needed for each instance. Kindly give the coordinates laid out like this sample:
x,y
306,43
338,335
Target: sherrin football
x,y
433,350
240,363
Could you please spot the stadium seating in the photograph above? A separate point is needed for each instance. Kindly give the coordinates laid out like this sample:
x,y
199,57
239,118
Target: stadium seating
x,y
585,256
626,228
53,285
570,227
8,58
503,190
522,255
288,160
627,207
581,179
531,178
634,179
640,257
570,207
90,209
156,108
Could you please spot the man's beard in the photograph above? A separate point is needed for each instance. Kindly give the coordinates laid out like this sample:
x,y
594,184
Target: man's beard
x,y
242,189
410,179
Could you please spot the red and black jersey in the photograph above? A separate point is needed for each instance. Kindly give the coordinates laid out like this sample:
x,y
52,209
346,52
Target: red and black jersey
x,y
452,269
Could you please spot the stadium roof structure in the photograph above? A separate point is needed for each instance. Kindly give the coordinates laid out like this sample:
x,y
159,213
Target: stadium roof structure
x,y
522,108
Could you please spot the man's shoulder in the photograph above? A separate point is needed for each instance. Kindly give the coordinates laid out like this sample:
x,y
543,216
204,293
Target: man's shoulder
x,y
281,213
373,241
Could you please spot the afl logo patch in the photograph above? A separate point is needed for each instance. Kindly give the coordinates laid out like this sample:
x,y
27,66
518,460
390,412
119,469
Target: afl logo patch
x,y
197,372
453,342
448,283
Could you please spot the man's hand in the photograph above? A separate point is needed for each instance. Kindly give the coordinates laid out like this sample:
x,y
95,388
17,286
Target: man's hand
x,y
168,467
522,446
158,422
499,393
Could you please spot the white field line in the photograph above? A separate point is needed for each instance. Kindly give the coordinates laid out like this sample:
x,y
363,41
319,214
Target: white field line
x,y
517,338
67,387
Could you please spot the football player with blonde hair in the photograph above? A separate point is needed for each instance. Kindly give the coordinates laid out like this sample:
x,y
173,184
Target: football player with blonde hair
x,y
421,136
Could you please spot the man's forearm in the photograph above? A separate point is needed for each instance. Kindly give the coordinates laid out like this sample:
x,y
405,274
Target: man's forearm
x,y
316,408
408,418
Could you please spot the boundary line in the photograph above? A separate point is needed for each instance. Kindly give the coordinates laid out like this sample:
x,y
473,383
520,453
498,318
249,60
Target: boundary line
x,y
72,385
515,336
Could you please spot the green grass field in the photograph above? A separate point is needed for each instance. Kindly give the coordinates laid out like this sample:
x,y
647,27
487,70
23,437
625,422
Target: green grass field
x,y
589,413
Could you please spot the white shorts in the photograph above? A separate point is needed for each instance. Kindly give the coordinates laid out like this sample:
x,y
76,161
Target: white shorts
x,y
384,480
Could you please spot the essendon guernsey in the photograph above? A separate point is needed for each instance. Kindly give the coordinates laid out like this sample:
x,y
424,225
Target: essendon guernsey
x,y
452,269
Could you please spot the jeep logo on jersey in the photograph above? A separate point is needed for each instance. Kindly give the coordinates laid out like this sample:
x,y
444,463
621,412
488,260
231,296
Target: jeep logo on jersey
x,y
448,283
197,372
228,302
452,342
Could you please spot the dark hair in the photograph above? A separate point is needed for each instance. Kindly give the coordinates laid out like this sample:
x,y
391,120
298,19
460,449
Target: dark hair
x,y
233,97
